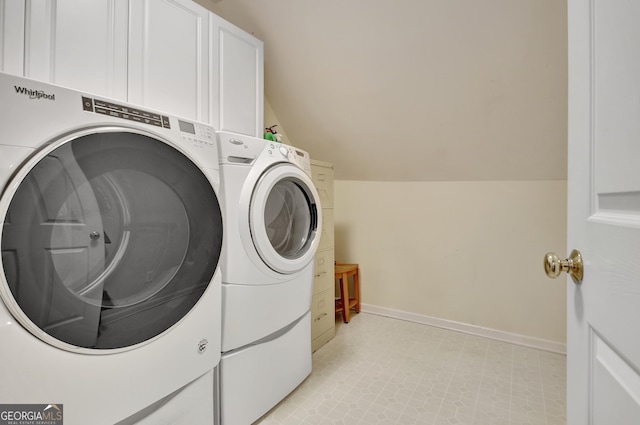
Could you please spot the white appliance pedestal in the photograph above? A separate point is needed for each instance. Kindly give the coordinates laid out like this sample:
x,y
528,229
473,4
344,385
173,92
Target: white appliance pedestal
x,y
255,378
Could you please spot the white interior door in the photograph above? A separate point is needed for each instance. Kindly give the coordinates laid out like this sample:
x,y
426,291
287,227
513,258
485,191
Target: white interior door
x,y
603,342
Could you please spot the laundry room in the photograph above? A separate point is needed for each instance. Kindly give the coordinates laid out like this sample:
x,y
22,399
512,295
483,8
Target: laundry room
x,y
216,181
448,150
445,124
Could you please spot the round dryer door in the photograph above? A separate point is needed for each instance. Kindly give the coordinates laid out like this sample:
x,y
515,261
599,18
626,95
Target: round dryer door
x,y
284,218
110,237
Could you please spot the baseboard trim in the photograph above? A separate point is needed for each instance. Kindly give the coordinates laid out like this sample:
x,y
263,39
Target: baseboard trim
x,y
527,341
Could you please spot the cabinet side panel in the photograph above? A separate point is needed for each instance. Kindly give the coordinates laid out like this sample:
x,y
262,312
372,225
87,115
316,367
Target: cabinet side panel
x,y
12,33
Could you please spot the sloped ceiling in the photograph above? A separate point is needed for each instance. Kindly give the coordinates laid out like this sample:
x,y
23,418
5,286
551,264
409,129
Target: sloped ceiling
x,y
417,90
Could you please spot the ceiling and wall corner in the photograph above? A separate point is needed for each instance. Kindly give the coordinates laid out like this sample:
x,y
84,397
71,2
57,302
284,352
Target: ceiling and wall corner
x,y
417,90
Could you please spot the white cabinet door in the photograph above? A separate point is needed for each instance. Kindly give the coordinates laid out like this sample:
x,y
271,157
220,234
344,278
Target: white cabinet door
x,y
12,36
603,312
168,57
240,92
78,43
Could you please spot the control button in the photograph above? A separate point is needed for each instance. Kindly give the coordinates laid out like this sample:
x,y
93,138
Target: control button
x,y
104,111
87,104
284,151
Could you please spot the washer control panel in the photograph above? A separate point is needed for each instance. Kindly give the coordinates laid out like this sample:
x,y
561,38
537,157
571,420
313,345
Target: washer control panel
x,y
124,112
197,134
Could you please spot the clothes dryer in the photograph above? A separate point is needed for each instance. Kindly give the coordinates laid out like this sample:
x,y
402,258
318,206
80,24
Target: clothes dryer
x,y
272,230
273,225
109,280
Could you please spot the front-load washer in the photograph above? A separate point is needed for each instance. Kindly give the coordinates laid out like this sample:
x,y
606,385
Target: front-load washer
x,y
110,283
273,224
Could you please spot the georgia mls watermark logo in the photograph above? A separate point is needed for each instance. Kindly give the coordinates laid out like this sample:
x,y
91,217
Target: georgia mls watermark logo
x,y
31,414
34,94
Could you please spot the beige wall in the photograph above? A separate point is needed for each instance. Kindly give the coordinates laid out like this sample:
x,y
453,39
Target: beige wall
x,y
270,119
469,252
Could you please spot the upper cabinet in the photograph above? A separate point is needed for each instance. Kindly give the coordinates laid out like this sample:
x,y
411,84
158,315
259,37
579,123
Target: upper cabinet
x,y
238,69
170,55
12,37
78,44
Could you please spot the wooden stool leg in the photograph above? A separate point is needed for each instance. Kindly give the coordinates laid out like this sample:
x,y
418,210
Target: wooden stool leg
x,y
356,289
344,294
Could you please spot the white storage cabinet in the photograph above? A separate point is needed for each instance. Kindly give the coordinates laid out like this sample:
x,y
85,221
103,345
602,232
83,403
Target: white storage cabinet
x,y
170,55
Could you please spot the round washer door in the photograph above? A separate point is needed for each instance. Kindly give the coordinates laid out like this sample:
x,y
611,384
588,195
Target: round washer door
x,y
110,238
284,218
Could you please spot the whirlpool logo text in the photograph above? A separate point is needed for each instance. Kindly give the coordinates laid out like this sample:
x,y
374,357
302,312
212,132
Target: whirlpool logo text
x,y
34,94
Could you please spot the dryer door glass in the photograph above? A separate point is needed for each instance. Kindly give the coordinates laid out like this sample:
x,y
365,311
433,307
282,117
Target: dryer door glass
x,y
110,240
284,218
288,218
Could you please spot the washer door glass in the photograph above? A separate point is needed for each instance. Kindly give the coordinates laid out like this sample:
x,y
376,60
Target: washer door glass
x,y
110,239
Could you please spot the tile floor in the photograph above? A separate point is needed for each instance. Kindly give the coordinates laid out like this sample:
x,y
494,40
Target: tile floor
x,y
379,370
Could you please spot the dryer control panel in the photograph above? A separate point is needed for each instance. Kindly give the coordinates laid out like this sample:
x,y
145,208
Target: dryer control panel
x,y
293,155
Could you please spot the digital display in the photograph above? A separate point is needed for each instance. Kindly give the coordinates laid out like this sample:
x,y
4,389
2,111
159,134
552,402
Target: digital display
x,y
187,127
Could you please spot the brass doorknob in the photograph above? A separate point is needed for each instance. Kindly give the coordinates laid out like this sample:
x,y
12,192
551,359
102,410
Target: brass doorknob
x,y
553,265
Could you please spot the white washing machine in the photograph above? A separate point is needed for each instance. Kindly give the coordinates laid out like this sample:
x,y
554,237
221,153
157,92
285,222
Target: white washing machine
x,y
110,282
272,230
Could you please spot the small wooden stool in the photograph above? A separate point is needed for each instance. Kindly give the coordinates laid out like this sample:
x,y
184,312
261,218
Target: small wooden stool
x,y
346,302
